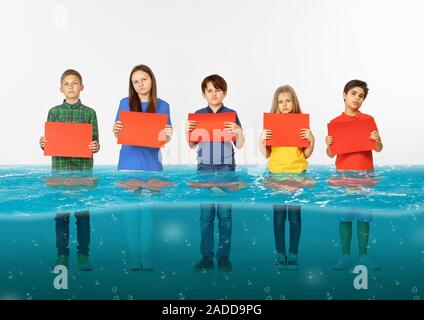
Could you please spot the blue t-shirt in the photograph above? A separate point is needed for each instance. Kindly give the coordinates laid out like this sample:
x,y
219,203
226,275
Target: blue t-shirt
x,y
141,158
216,155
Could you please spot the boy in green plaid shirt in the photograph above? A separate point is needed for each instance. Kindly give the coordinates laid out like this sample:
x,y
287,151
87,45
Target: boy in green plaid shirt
x,y
72,110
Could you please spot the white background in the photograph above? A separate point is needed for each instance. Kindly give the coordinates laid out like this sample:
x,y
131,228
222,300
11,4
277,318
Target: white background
x,y
315,46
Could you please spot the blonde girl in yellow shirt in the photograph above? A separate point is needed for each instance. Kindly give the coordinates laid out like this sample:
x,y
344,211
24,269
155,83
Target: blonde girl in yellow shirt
x,y
286,160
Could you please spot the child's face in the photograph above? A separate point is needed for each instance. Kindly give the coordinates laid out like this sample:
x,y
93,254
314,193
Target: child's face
x,y
71,87
285,102
354,98
213,96
142,83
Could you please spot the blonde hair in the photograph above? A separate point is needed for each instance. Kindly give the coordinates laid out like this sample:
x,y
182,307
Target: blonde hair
x,y
286,88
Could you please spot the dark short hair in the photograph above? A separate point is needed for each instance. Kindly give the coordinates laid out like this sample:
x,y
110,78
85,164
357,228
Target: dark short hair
x,y
70,72
356,83
217,81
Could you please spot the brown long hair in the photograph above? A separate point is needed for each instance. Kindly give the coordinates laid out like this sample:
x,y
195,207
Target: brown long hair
x,y
134,99
286,88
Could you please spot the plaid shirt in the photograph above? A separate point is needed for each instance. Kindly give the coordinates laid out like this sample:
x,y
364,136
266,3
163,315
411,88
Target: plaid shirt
x,y
75,113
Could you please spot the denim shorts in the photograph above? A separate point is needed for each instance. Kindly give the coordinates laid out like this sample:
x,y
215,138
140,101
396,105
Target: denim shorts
x,y
351,214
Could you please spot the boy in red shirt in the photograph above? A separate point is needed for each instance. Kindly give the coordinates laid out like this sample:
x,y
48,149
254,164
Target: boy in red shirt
x,y
354,94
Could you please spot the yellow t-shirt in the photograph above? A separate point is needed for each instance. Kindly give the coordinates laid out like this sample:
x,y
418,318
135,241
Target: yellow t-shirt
x,y
287,159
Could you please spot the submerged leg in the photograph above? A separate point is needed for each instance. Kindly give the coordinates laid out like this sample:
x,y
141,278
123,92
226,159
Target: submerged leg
x,y
83,232
345,229
280,214
344,261
363,232
132,238
207,218
83,237
62,234
146,224
295,228
225,229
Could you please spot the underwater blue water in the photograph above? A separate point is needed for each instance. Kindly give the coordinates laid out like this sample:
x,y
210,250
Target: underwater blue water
x,y
166,223
391,189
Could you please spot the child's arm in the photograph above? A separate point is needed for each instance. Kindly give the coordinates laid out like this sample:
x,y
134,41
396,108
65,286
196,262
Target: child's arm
x,y
94,145
192,145
239,137
378,144
307,134
329,141
168,132
43,140
117,125
238,131
265,151
190,125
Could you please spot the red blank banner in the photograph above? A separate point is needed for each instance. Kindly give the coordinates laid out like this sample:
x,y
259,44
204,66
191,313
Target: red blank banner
x,y
286,129
143,129
68,139
352,136
210,127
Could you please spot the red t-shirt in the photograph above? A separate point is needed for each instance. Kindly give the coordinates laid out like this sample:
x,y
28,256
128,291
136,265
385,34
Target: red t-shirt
x,y
355,160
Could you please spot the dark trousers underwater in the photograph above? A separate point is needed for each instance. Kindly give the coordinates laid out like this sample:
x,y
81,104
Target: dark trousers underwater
x,y
280,216
62,221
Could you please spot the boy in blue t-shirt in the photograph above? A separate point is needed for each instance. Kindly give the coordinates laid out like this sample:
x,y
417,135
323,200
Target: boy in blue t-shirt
x,y
216,157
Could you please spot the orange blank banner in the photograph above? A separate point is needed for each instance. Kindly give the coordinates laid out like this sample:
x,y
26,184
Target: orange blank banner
x,y
286,129
352,136
142,129
68,139
210,127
